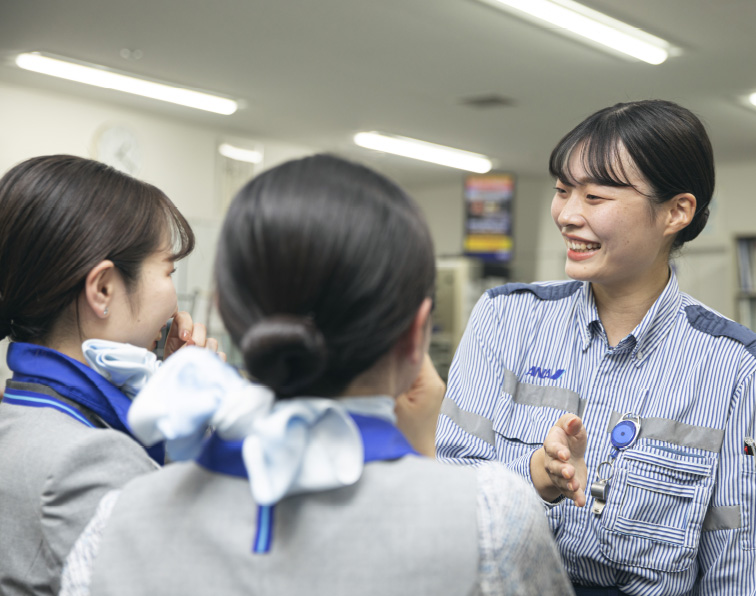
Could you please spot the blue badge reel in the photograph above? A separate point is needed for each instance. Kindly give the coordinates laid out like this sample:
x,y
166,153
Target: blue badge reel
x,y
623,436
624,433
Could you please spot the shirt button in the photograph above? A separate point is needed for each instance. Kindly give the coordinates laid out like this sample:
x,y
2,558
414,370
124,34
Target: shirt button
x,y
639,355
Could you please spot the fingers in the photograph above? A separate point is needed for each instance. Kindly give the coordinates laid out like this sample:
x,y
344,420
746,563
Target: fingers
x,y
185,332
181,327
574,426
565,478
563,461
199,336
576,437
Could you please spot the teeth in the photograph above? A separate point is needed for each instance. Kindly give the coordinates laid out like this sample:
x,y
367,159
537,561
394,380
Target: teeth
x,y
582,246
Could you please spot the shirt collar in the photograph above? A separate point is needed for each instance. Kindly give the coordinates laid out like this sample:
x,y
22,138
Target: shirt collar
x,y
652,329
587,316
379,406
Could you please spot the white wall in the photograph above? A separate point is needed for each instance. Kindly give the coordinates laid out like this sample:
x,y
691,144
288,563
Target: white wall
x,y
177,157
181,159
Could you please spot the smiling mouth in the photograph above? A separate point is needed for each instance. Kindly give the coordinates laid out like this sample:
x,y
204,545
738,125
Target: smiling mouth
x,y
582,246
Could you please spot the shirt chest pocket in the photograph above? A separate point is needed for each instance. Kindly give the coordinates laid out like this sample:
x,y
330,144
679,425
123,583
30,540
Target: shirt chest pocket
x,y
524,415
657,502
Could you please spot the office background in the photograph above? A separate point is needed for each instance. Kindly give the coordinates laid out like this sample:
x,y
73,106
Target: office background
x,y
309,75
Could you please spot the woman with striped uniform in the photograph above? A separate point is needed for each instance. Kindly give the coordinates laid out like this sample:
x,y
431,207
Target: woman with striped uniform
x,y
622,400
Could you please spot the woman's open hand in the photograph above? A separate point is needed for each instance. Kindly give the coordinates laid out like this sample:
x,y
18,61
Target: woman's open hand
x,y
558,468
185,332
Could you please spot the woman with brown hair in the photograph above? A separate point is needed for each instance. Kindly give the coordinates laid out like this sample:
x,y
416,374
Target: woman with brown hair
x,y
86,253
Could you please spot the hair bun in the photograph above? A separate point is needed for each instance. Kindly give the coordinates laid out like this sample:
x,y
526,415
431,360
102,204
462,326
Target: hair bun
x,y
285,352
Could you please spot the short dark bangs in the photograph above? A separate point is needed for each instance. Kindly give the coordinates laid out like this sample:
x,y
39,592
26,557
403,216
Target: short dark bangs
x,y
599,154
179,230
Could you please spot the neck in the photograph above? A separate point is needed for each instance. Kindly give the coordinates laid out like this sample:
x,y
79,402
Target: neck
x,y
66,335
377,380
65,344
622,308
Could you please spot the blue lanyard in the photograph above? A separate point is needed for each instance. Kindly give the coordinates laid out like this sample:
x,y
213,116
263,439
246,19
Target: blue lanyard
x,y
381,440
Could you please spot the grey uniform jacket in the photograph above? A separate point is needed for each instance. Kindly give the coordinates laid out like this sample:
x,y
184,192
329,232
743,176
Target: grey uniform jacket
x,y
53,472
411,526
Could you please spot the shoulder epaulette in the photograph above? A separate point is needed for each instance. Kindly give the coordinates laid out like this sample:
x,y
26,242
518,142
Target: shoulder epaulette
x,y
551,292
709,322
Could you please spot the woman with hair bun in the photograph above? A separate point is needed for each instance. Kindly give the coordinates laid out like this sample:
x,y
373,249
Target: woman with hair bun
x,y
625,402
325,272
86,255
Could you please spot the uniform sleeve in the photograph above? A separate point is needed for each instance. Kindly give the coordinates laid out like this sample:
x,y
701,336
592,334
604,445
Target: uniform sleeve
x,y
727,551
465,427
517,552
84,472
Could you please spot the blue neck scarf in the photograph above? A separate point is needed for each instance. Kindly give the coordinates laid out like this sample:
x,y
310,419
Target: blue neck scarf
x,y
382,441
76,382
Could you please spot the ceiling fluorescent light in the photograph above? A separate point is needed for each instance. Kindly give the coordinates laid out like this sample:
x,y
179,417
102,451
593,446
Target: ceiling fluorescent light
x,y
580,21
239,154
99,76
424,151
752,99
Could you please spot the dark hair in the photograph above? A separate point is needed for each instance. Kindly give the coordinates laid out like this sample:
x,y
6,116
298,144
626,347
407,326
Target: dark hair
x,y
667,143
321,267
60,215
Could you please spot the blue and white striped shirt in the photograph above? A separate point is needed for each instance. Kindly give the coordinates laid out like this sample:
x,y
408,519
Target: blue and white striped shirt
x,y
680,517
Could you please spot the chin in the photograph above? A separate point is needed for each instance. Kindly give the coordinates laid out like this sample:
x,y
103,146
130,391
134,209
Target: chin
x,y
578,273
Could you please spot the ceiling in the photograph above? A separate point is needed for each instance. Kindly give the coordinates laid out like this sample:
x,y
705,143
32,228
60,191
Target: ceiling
x,y
314,72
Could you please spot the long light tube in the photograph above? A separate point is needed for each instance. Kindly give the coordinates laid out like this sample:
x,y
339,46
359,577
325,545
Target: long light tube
x,y
595,26
108,79
424,151
239,154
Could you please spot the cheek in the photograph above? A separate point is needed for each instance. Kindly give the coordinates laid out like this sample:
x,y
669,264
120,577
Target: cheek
x,y
555,211
170,297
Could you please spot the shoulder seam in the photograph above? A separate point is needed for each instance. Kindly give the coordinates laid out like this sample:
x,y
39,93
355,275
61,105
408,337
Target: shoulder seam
x,y
716,325
543,292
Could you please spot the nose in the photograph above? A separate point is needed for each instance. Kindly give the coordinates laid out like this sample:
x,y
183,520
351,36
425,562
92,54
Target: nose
x,y
568,211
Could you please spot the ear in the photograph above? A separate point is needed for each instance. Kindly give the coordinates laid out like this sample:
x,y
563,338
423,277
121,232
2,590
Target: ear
x,y
680,211
414,343
99,287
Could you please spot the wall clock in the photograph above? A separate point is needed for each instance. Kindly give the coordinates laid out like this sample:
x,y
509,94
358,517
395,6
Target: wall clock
x,y
118,146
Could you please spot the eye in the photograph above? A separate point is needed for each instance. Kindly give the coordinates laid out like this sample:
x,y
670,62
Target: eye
x,y
172,272
593,197
560,191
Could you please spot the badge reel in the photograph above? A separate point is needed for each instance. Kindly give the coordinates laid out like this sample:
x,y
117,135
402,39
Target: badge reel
x,y
623,436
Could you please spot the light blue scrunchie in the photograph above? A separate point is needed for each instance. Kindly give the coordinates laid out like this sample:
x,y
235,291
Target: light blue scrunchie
x,y
127,367
289,447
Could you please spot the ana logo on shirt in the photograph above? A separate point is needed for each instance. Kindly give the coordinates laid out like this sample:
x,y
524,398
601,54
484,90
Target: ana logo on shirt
x,y
544,373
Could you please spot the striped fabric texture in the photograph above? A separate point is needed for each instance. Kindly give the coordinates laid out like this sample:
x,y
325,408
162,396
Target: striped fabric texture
x,y
680,517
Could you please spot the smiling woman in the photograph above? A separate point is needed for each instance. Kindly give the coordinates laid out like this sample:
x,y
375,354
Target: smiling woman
x,y
667,510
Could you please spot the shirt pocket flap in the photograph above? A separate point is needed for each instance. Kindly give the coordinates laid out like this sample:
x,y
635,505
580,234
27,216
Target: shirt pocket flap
x,y
657,502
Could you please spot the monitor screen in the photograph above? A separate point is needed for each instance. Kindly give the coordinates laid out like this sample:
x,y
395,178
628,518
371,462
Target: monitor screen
x,y
488,216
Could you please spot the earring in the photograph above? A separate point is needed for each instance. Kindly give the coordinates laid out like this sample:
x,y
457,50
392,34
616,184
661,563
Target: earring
x,y
105,312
